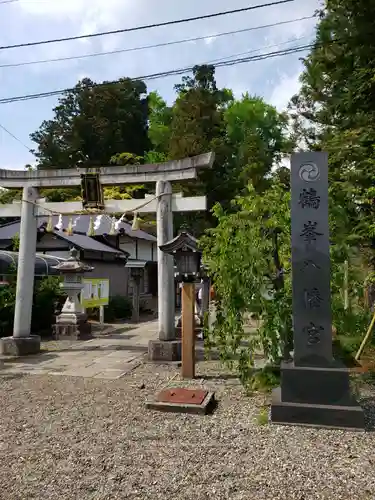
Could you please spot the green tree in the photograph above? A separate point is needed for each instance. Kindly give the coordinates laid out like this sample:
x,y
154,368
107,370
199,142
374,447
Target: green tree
x,y
160,118
239,254
241,260
335,109
94,122
130,190
248,137
257,135
197,127
197,119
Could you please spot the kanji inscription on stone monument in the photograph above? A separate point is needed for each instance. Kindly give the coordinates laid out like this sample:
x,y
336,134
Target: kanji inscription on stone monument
x,y
310,261
312,298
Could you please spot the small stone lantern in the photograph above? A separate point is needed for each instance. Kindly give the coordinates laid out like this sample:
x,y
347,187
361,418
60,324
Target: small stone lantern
x,y
187,256
72,321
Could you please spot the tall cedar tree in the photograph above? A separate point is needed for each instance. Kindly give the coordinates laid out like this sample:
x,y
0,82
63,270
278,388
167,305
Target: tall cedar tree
x,y
92,123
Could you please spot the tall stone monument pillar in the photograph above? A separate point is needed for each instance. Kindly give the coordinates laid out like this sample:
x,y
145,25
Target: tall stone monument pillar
x,y
314,387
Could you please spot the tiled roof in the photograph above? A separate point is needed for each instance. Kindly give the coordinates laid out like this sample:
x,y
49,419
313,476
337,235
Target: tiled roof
x,y
86,243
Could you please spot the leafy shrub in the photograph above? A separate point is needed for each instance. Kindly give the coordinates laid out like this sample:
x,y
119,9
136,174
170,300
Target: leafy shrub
x,y
7,304
46,294
119,307
351,322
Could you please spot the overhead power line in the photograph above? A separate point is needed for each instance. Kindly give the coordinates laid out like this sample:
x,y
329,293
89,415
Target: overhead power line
x,y
8,1
231,62
147,26
14,136
154,46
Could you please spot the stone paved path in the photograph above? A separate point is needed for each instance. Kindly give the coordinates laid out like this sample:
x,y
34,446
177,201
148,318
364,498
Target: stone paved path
x,y
114,351
110,355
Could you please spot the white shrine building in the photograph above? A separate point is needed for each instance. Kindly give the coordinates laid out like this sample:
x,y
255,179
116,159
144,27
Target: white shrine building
x,y
107,253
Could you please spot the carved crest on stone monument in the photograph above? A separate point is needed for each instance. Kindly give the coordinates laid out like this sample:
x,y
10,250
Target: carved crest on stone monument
x,y
309,172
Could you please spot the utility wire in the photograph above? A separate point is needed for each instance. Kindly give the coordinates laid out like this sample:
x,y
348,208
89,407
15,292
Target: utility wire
x,y
158,45
146,26
8,1
12,135
164,74
248,52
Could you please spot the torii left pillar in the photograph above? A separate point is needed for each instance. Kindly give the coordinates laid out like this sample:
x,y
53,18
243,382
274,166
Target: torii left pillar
x,y
23,342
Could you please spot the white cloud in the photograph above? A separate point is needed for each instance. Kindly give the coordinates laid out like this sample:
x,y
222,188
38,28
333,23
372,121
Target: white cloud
x,y
285,89
209,40
70,9
64,18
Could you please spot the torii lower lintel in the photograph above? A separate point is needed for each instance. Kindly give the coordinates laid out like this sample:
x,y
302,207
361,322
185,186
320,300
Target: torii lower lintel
x,y
179,204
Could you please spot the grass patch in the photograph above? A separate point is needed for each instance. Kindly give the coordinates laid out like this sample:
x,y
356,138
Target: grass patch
x,y
262,417
264,380
345,348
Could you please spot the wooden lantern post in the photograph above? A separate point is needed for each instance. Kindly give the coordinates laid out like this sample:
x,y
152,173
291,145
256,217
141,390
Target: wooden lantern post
x,y
188,334
184,248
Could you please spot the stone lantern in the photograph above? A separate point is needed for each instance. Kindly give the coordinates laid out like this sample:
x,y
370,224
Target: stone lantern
x,y
187,256
72,321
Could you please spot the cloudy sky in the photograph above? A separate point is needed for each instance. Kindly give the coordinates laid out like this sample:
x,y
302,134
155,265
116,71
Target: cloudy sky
x,y
22,21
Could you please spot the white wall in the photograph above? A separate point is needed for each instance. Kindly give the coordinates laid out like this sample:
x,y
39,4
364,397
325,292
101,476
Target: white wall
x,y
128,246
145,250
65,254
139,249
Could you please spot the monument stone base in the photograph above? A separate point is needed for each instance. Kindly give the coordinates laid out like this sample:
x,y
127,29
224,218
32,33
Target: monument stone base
x,y
164,350
20,346
72,325
316,396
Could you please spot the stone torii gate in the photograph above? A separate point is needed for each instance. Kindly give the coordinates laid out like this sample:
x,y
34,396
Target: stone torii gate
x,y
164,205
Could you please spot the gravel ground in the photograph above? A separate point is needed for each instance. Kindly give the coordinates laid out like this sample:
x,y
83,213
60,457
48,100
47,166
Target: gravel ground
x,y
74,438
